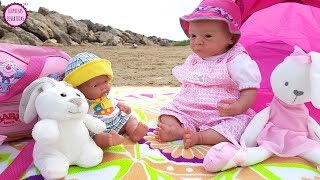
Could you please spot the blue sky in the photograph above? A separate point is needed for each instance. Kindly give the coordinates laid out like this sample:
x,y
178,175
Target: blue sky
x,y
148,17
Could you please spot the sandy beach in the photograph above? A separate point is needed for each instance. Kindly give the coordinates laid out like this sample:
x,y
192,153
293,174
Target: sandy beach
x,y
142,66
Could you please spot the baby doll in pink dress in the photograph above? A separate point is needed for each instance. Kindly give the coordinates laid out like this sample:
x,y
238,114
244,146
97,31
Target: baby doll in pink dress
x,y
219,80
92,76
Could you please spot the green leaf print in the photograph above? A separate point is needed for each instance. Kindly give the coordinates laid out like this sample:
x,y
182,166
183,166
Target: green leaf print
x,y
226,175
4,157
142,116
124,165
263,169
117,149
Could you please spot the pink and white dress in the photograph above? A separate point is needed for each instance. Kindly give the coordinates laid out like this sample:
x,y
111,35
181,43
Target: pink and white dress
x,y
205,83
286,133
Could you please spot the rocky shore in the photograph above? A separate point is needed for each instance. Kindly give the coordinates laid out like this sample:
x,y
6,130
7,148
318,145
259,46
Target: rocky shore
x,y
47,27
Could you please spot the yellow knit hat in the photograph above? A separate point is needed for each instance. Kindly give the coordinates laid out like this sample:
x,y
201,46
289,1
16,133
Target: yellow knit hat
x,y
85,66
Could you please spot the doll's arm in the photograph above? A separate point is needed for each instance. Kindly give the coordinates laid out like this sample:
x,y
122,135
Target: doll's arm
x,y
94,125
314,129
46,131
255,127
124,108
233,108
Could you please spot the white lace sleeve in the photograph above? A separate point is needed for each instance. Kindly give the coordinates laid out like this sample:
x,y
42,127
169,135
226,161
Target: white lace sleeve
x,y
244,71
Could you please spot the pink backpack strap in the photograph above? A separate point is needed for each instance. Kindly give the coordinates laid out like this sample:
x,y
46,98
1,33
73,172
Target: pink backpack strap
x,y
20,164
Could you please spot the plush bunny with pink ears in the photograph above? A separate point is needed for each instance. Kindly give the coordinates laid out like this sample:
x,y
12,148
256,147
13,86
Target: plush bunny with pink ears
x,y
284,128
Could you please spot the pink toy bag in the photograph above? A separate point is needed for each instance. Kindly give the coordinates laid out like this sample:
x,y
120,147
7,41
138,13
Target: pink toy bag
x,y
19,66
269,40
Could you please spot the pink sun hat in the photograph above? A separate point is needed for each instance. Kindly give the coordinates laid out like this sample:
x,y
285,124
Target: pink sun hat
x,y
223,10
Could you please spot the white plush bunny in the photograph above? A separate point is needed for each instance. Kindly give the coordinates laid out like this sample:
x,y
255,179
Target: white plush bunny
x,y
61,134
284,128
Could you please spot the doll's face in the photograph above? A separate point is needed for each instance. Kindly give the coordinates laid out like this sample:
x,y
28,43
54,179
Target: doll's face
x,y
95,87
209,37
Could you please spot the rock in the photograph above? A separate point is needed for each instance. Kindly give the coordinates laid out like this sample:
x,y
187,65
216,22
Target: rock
x,y
44,11
51,42
108,38
10,38
61,37
27,37
91,36
164,42
57,20
37,24
90,25
145,41
2,32
51,28
134,46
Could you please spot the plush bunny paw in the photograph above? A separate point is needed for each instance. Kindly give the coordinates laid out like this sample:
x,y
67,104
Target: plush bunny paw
x,y
53,167
216,157
46,131
95,125
223,156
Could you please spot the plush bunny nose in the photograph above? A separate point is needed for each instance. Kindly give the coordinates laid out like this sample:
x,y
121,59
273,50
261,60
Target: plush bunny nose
x,y
76,101
297,93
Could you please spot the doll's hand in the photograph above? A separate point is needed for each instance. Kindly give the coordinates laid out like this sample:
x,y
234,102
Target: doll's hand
x,y
229,108
124,108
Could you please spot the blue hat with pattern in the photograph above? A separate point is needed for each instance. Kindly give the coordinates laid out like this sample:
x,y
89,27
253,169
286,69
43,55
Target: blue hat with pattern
x,y
85,66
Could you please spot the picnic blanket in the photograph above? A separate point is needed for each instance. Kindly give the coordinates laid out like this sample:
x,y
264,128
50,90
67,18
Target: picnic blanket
x,y
149,159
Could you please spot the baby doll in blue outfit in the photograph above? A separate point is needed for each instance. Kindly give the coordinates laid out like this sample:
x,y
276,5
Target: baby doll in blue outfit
x,y
92,75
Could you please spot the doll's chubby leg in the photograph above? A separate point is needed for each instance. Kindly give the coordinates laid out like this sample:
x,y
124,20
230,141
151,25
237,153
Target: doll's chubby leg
x,y
313,156
136,130
207,137
90,155
225,155
169,129
105,140
52,166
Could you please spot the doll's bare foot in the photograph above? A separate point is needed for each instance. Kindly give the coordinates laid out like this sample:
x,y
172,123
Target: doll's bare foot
x,y
189,138
165,133
105,140
140,131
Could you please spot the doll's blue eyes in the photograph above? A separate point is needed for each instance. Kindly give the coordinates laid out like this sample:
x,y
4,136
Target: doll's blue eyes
x,y
78,94
286,83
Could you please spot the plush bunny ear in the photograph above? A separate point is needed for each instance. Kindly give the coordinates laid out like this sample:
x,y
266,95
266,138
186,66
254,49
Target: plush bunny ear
x,y
299,56
315,79
27,109
298,51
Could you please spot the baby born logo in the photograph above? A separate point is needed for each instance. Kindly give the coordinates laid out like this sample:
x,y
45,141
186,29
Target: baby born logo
x,y
9,119
15,14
